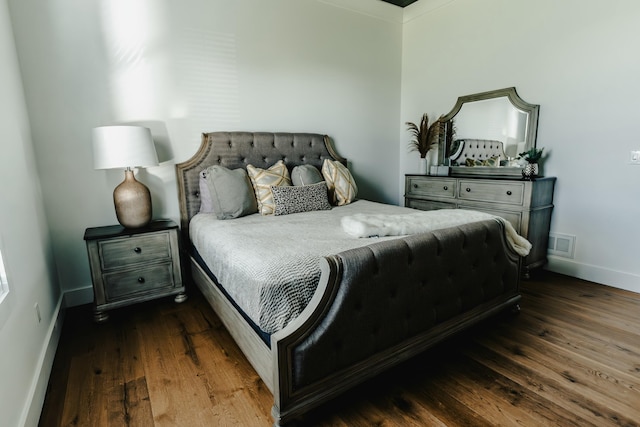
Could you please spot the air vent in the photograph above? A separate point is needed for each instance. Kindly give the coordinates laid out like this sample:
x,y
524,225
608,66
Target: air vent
x,y
561,245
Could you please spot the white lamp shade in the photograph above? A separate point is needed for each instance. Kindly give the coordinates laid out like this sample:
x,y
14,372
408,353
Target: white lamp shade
x,y
123,147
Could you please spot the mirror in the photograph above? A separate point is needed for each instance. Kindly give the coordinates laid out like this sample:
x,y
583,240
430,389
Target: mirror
x,y
485,132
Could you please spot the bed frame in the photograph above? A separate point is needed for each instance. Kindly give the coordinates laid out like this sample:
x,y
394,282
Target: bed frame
x,y
374,307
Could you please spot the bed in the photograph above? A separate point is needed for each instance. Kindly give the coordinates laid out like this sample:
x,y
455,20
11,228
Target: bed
x,y
374,303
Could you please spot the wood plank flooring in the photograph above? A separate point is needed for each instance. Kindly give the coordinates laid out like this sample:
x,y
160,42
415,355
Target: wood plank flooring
x,y
570,358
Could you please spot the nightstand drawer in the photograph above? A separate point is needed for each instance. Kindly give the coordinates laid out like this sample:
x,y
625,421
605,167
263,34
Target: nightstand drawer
x,y
500,192
418,186
122,252
123,284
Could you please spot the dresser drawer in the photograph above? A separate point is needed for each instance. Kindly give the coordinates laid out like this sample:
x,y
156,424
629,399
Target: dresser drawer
x,y
417,186
122,252
515,218
124,284
501,192
428,205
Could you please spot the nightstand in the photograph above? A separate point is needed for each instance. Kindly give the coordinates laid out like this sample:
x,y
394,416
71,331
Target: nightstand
x,y
133,265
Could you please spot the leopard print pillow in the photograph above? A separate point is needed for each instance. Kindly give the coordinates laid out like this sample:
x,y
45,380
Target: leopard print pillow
x,y
302,198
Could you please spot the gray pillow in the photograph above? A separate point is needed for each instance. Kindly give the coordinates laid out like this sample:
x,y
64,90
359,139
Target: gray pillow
x,y
231,192
206,206
306,175
301,198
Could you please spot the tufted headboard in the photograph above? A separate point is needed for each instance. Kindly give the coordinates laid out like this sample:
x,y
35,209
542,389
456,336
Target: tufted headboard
x,y
476,149
239,149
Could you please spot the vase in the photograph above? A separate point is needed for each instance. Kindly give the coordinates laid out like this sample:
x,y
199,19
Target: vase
x,y
424,166
530,171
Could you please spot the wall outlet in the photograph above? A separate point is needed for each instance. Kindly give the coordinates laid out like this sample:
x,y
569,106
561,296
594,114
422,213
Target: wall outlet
x,y
561,245
634,158
37,308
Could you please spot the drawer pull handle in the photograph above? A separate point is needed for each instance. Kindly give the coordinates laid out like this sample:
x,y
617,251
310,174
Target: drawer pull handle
x,y
508,192
137,250
445,188
415,185
468,190
141,279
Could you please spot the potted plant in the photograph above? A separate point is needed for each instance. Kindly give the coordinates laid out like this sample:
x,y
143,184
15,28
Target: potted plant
x,y
425,138
532,156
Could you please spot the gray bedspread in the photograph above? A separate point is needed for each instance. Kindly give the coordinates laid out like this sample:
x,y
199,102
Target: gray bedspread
x,y
269,264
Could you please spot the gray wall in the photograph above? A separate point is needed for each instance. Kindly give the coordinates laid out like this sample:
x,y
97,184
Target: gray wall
x,y
26,344
578,61
187,67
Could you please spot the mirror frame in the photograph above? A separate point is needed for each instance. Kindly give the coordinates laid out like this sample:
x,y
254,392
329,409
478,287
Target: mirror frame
x,y
532,110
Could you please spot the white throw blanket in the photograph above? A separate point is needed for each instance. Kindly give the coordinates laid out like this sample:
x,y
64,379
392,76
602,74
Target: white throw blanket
x,y
378,225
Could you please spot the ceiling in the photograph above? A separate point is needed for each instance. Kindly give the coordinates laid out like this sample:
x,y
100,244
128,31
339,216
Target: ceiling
x,y
401,3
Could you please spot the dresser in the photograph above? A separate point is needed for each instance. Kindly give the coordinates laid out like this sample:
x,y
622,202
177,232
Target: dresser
x,y
527,205
133,265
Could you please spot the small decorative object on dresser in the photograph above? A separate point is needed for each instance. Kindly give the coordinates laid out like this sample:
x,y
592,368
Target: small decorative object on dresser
x,y
133,265
527,205
532,157
425,138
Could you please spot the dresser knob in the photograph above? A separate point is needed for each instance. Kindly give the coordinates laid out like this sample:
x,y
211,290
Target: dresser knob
x,y
137,250
509,193
140,279
415,185
445,188
468,190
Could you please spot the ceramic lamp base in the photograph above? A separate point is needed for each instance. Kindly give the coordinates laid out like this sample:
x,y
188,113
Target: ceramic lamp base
x,y
132,201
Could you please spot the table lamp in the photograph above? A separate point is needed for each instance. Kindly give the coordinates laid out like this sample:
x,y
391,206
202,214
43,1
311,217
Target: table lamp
x,y
126,147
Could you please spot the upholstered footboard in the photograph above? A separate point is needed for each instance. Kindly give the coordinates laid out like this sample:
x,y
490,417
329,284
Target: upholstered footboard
x,y
379,305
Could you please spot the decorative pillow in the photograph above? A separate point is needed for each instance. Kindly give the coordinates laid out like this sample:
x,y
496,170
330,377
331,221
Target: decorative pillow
x,y
342,187
230,192
492,161
300,198
306,175
206,206
262,181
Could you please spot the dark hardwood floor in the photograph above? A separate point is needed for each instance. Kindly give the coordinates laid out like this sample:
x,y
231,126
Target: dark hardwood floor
x,y
570,358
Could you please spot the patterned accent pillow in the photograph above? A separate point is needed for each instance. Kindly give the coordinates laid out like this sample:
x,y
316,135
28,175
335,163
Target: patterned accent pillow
x,y
301,198
262,181
342,187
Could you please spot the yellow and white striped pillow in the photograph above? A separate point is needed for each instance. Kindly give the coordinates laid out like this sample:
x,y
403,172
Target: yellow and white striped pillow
x,y
342,187
262,180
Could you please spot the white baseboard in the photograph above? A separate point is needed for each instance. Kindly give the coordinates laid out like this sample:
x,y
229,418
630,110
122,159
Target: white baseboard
x,y
38,389
78,296
594,273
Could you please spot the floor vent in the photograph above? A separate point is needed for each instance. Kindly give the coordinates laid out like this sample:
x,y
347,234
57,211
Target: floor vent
x,y
561,245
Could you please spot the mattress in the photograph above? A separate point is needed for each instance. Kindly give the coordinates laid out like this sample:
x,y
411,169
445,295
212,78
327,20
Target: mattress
x,y
269,265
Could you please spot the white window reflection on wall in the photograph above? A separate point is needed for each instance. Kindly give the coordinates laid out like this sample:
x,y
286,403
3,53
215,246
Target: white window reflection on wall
x,y
4,284
5,296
